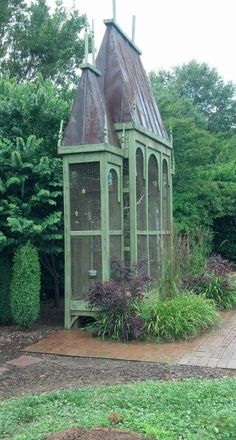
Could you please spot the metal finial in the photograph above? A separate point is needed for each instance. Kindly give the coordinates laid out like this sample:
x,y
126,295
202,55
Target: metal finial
x,y
114,10
133,28
105,130
60,134
134,111
123,137
93,44
86,43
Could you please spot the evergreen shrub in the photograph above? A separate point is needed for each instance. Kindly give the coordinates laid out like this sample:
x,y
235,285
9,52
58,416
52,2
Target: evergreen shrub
x,y
25,286
5,278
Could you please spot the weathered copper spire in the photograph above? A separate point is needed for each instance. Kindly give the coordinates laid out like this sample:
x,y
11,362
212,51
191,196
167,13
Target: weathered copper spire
x,y
89,113
124,81
114,90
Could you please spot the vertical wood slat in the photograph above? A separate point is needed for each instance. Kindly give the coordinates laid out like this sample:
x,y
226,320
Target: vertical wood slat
x,y
67,240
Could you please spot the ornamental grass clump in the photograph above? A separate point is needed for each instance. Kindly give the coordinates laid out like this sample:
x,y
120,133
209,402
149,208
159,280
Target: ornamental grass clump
x,y
216,283
25,286
183,316
118,301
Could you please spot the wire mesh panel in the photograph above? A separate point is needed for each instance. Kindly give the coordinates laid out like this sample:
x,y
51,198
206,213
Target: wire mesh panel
x,y
167,248
85,198
154,256
115,247
86,264
142,251
126,212
153,195
114,202
165,198
140,191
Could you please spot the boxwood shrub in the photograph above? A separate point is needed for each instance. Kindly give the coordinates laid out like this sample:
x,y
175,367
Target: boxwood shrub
x,y
25,286
5,278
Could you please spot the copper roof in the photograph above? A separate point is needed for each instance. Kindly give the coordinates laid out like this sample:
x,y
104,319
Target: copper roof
x,y
124,82
87,120
121,91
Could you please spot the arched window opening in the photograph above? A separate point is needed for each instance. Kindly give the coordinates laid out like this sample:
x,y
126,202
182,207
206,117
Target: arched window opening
x,y
165,197
153,195
140,191
114,202
115,223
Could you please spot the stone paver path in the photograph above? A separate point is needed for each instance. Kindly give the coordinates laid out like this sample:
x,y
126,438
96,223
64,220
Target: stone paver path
x,y
216,348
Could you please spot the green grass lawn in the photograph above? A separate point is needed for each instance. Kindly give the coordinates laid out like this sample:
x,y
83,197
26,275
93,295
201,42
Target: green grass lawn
x,y
193,409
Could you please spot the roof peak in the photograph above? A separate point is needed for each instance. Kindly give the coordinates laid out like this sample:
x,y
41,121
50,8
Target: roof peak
x,y
113,23
90,67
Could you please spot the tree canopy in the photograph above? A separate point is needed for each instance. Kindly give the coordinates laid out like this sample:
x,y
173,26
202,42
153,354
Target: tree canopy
x,y
201,108
38,41
200,89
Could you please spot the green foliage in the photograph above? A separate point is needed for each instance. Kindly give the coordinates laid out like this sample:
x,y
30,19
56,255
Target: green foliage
x,y
225,236
39,41
200,107
5,278
25,286
9,10
215,287
31,196
183,316
191,251
33,108
200,89
165,410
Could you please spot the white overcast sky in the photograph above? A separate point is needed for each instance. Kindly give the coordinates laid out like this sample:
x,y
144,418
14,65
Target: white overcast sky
x,y
173,32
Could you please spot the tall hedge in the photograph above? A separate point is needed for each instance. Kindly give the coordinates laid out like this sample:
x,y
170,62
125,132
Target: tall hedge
x,y
25,286
5,278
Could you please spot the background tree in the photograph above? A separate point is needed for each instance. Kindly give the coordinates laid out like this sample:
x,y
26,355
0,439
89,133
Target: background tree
x,y
31,203
8,11
205,89
200,107
33,108
39,41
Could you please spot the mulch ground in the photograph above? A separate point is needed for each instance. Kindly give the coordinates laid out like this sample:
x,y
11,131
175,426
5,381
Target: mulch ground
x,y
64,372
95,434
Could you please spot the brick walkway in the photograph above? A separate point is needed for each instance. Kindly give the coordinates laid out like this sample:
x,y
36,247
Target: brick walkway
x,y
216,348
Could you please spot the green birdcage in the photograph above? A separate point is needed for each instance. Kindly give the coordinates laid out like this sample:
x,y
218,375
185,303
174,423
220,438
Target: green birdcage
x,y
117,162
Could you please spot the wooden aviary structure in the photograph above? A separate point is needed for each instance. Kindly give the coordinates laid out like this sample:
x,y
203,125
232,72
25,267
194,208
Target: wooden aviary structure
x,y
117,162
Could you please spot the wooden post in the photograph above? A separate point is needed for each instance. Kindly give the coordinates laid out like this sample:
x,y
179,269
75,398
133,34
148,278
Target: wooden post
x,y
114,10
93,44
86,44
133,28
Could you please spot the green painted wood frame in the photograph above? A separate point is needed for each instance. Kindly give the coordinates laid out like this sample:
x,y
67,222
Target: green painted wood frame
x,y
108,159
149,145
